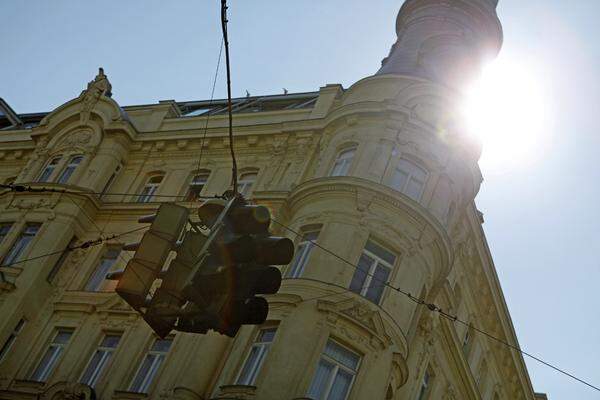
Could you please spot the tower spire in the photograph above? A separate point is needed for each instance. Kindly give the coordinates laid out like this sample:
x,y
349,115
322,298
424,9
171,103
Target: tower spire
x,y
445,41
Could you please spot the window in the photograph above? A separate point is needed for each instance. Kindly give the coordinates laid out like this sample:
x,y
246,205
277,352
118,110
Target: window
x,y
343,162
150,366
61,260
255,359
373,270
21,244
150,189
47,172
4,230
11,339
100,360
246,182
335,373
196,186
69,169
94,283
409,179
52,355
302,254
110,181
425,385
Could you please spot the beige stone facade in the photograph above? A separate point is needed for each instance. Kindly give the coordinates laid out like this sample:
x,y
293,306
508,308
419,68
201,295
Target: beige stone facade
x,y
378,174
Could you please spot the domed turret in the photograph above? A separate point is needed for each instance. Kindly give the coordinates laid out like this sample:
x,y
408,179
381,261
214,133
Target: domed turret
x,y
445,42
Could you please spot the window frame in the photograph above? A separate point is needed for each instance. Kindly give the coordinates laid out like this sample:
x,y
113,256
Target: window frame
x,y
337,365
344,162
150,188
69,169
103,362
17,250
245,187
424,392
51,166
257,364
5,230
377,261
194,194
58,350
12,338
303,252
410,177
153,370
101,269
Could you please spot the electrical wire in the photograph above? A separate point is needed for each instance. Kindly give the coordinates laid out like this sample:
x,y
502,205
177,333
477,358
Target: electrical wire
x,y
212,95
430,306
434,308
234,177
33,189
84,245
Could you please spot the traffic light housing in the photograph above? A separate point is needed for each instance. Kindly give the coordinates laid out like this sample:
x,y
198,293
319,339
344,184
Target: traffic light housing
x,y
237,266
151,253
217,273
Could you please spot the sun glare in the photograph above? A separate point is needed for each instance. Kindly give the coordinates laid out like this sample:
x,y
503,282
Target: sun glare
x,y
507,110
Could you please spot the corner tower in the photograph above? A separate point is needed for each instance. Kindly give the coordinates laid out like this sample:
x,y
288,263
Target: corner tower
x,y
444,41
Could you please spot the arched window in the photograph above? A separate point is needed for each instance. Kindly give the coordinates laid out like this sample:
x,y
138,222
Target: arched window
x,y
197,185
409,179
245,183
150,188
111,180
342,163
49,170
69,169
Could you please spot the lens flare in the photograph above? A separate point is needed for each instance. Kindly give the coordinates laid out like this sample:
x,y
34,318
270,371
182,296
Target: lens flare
x,y
507,110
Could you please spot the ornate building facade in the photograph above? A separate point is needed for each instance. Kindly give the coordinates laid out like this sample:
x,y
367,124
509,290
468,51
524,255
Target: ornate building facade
x,y
380,174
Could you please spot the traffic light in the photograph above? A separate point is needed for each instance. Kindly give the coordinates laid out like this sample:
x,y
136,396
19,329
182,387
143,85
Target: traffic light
x,y
151,253
236,266
217,273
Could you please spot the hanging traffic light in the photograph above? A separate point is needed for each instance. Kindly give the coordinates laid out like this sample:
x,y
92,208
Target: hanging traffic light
x,y
214,279
236,266
151,253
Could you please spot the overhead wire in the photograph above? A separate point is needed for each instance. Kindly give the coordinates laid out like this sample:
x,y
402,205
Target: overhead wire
x,y
434,308
430,306
224,21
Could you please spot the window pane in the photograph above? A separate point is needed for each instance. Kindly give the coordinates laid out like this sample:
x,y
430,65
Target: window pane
x,y
162,345
4,229
21,244
320,380
380,252
414,189
399,180
62,337
378,283
46,364
342,355
342,163
93,370
360,274
136,386
266,335
249,371
341,386
98,277
110,341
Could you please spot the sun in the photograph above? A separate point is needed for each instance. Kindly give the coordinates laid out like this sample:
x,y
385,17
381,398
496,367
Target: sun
x,y
508,111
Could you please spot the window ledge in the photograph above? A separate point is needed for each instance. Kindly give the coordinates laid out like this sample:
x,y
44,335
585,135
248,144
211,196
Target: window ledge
x,y
126,395
236,392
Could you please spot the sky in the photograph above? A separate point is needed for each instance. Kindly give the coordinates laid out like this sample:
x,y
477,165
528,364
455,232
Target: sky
x,y
541,213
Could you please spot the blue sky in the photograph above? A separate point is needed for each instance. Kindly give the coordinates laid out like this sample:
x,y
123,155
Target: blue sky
x,y
541,218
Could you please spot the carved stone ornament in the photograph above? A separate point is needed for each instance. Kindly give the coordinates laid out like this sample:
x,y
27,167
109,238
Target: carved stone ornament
x,y
96,88
236,392
68,391
180,393
78,140
357,315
